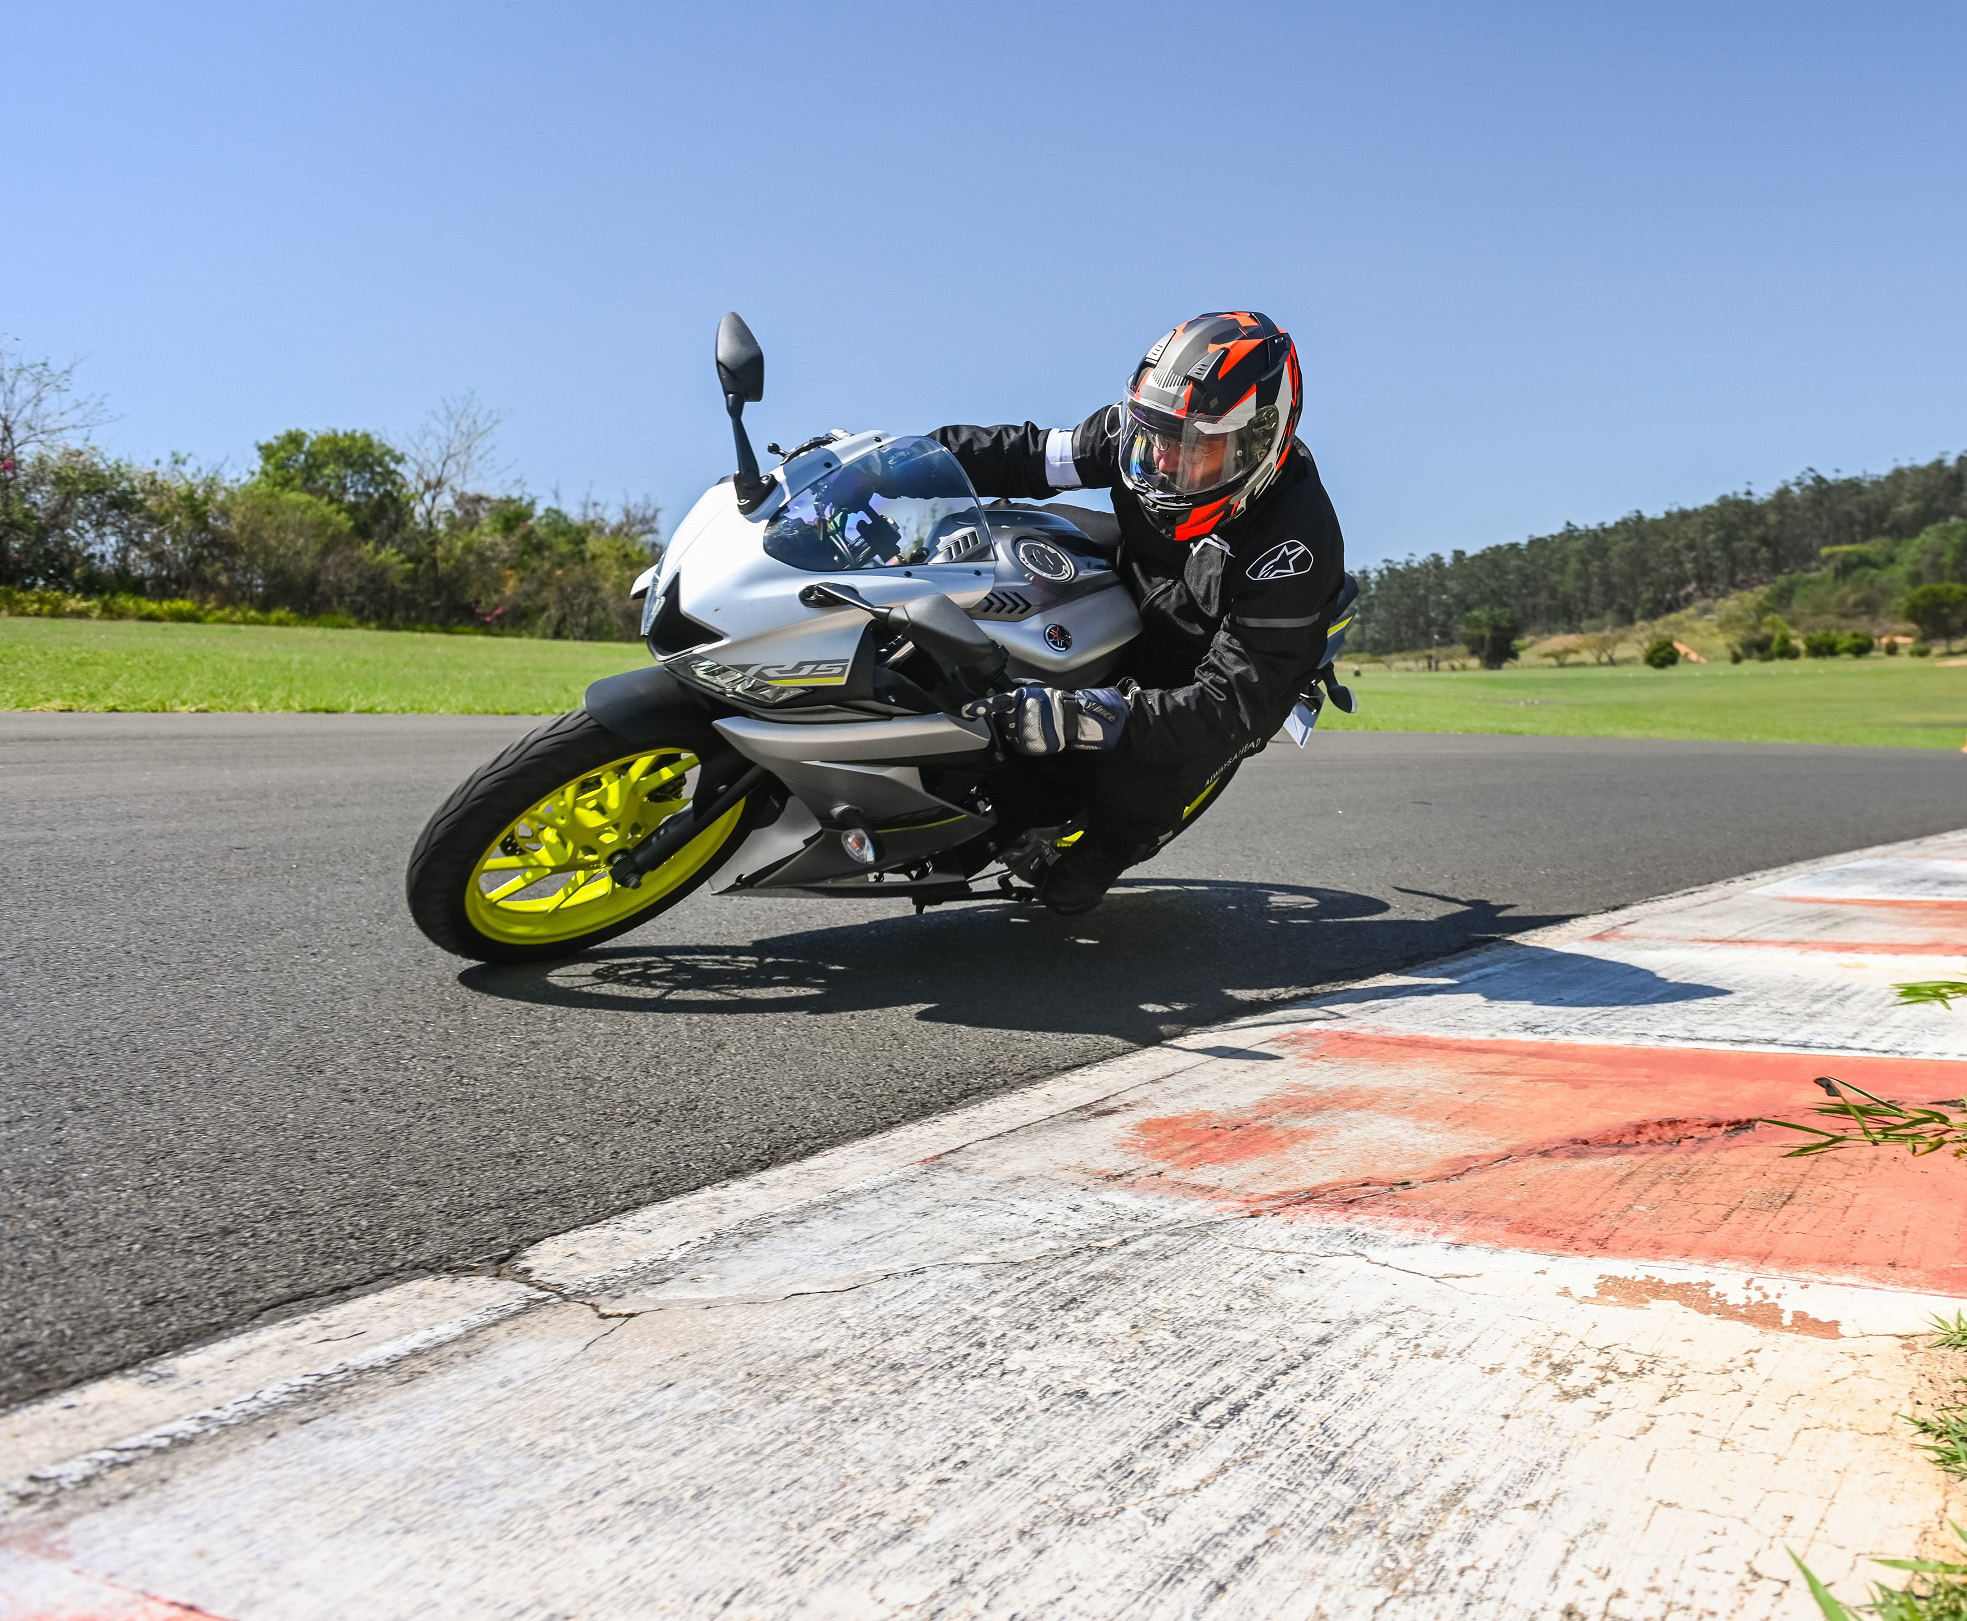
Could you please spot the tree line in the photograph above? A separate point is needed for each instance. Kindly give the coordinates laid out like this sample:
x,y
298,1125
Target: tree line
x,y
334,524
1640,568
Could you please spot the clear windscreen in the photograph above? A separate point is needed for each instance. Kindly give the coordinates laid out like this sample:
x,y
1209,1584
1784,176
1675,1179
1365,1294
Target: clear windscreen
x,y
902,503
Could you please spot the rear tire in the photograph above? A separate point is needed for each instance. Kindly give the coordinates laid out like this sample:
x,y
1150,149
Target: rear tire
x,y
513,866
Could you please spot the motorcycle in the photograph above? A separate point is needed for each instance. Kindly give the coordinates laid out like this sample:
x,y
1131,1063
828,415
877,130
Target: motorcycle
x,y
818,633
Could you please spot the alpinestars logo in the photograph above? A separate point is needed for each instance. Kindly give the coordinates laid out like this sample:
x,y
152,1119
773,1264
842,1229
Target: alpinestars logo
x,y
1286,558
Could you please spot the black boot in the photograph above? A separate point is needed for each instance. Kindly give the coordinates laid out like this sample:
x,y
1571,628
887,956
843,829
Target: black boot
x,y
1078,881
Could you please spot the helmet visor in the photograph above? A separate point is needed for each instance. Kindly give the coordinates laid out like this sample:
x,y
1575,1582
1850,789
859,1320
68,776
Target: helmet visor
x,y
1183,458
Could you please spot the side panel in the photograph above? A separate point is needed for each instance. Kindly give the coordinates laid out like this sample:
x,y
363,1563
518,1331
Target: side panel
x,y
1096,627
909,738
767,847
896,844
835,770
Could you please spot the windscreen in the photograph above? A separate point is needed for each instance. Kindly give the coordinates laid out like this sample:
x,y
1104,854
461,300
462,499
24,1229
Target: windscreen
x,y
904,502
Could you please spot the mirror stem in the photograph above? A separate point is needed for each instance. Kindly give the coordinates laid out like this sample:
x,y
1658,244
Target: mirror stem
x,y
750,488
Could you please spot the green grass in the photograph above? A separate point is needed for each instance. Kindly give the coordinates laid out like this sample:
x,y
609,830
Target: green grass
x,y
121,664
1896,702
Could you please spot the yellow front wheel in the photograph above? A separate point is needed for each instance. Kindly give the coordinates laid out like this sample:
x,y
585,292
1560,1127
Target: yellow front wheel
x,y
514,865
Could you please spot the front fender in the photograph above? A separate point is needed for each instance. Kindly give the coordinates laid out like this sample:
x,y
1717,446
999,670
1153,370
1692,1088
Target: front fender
x,y
648,707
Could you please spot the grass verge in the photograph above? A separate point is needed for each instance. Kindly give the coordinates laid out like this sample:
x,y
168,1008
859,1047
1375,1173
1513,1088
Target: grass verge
x,y
1895,703
132,665
127,664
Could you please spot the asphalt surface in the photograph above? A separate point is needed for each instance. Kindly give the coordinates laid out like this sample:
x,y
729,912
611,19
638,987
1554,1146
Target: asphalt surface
x,y
237,1081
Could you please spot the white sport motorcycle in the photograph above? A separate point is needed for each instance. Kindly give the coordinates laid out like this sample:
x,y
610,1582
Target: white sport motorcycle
x,y
817,632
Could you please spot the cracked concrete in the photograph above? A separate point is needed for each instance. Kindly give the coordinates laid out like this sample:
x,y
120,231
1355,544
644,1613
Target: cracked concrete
x,y
1417,1303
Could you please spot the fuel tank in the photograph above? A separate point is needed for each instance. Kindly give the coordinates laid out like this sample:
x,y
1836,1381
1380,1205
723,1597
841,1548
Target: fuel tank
x,y
1054,603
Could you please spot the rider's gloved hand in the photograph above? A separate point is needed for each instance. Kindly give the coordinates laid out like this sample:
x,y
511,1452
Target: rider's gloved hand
x,y
1048,720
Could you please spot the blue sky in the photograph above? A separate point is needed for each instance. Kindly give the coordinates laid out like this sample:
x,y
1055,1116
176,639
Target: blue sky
x,y
1543,262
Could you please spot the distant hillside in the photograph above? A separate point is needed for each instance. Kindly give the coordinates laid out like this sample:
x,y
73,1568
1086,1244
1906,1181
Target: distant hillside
x,y
1644,567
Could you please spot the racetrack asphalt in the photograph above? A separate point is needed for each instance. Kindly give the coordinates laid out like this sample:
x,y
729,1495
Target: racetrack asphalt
x,y
239,1082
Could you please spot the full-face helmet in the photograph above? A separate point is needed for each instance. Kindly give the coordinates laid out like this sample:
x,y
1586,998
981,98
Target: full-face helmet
x,y
1207,419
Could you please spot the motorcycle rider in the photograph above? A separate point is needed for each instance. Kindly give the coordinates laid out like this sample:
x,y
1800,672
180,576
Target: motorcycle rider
x,y
1232,553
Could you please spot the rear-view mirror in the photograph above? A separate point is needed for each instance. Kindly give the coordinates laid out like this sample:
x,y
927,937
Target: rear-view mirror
x,y
938,626
740,362
831,594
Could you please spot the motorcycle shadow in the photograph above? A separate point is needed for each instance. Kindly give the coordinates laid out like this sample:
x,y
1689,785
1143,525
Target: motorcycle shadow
x,y
1160,956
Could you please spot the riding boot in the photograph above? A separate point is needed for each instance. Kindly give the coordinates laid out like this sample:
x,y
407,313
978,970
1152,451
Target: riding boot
x,y
1078,881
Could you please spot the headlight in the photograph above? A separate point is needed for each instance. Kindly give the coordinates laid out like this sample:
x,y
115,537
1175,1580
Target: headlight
x,y
721,678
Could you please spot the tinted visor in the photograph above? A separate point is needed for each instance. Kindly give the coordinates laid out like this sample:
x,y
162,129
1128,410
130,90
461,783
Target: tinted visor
x,y
1185,458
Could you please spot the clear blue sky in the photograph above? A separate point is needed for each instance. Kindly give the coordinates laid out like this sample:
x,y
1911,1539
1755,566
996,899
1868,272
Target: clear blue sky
x,y
1544,262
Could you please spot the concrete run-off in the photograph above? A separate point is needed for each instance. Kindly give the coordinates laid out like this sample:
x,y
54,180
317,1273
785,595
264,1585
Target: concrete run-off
x,y
1477,1291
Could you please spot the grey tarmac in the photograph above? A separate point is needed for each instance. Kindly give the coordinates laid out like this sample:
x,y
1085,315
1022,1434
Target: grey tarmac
x,y
239,1083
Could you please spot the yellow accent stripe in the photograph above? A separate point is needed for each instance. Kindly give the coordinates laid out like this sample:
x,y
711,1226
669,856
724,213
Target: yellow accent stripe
x,y
920,827
1197,800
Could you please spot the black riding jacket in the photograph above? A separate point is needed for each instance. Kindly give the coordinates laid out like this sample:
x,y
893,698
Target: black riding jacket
x,y
1233,622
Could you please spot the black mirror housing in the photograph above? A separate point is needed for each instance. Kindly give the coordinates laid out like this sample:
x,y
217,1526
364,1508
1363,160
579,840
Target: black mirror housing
x,y
740,362
832,594
741,372
944,630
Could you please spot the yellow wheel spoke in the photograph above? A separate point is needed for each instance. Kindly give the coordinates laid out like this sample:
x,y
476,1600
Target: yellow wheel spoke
x,y
512,886
583,876
665,778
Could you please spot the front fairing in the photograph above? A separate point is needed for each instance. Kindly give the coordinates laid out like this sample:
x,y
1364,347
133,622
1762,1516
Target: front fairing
x,y
726,582
1065,625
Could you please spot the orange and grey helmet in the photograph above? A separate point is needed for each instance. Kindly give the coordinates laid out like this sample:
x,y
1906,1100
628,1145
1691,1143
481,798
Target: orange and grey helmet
x,y
1208,418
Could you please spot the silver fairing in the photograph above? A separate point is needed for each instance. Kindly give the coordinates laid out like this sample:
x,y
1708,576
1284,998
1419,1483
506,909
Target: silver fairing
x,y
1065,634
851,775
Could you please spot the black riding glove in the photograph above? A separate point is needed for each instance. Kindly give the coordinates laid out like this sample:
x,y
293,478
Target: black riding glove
x,y
1048,720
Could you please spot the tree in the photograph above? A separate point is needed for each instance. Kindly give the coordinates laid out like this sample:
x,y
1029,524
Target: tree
x,y
1490,634
357,472
1939,610
1640,568
451,457
1603,646
41,415
282,539
1662,654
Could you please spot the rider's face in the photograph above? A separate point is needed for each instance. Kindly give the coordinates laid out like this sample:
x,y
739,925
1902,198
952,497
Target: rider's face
x,y
1194,462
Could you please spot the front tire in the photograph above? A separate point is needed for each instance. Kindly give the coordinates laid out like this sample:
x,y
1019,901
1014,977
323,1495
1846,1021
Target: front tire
x,y
513,867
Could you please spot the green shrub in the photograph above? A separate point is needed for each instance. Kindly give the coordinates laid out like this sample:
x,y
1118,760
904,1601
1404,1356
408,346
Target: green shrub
x,y
26,604
1662,655
1782,646
34,604
1856,642
1921,650
1821,644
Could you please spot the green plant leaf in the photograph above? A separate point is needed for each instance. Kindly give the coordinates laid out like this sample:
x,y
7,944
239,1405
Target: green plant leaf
x,y
1931,1567
1942,991
1833,1611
